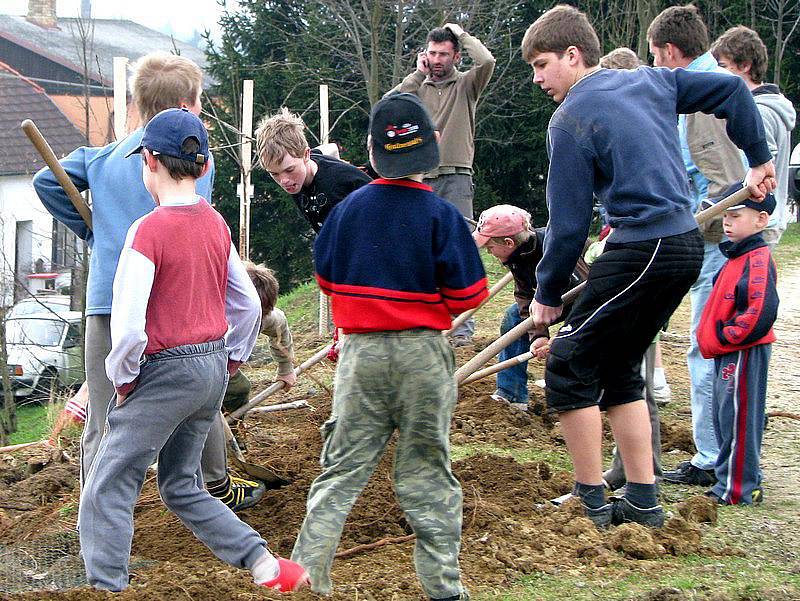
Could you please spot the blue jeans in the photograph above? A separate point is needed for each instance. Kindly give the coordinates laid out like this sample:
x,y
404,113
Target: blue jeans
x,y
512,383
701,371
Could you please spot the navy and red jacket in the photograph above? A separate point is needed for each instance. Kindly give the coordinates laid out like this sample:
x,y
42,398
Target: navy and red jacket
x,y
743,305
394,256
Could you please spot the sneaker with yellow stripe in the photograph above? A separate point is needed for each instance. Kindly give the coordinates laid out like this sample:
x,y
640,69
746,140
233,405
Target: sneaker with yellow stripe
x,y
237,493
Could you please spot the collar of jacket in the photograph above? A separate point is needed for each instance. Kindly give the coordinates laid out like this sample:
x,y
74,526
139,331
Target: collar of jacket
x,y
737,249
443,82
767,88
523,250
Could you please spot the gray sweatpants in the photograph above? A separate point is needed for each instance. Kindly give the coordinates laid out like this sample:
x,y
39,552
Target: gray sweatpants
x,y
98,345
167,417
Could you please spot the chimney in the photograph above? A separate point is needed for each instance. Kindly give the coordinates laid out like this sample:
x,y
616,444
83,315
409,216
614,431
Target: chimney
x,y
42,13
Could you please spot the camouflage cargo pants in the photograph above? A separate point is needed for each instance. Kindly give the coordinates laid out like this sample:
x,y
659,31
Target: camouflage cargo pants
x,y
386,381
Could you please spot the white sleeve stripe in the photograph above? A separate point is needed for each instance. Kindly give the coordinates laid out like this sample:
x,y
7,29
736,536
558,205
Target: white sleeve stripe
x,y
242,310
132,285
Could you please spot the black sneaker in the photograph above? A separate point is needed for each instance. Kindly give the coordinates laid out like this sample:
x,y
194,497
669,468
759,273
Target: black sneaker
x,y
686,473
624,511
238,493
601,516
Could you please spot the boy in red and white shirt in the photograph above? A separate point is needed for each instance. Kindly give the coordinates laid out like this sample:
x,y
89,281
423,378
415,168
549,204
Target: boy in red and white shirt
x,y
184,315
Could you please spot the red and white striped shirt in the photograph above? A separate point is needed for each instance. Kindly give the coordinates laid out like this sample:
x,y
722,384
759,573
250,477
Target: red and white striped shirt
x,y
179,281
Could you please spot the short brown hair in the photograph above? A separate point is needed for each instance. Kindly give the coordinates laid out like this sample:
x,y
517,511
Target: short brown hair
x,y
180,169
620,58
681,26
442,34
164,81
266,284
743,45
279,134
558,29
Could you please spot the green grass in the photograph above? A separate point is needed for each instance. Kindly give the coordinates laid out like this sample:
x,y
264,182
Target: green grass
x,y
734,577
301,306
34,422
558,460
788,250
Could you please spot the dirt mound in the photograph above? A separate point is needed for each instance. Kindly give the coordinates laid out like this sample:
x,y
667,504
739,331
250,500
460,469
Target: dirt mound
x,y
510,528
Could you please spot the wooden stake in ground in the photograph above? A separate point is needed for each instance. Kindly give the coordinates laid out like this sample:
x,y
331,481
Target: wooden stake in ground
x,y
246,162
325,320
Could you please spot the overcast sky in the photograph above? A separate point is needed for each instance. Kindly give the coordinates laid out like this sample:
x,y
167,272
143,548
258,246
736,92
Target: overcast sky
x,y
180,17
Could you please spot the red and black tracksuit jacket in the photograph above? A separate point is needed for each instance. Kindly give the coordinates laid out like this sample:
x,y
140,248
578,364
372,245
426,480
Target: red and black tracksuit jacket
x,y
743,304
394,256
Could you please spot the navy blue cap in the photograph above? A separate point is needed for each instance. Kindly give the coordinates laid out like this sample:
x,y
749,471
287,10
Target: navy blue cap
x,y
168,130
403,137
767,205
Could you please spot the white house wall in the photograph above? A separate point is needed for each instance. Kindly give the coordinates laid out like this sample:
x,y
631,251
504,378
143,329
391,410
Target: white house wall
x,y
18,202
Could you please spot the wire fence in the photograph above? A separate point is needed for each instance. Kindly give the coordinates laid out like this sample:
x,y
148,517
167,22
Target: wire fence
x,y
51,562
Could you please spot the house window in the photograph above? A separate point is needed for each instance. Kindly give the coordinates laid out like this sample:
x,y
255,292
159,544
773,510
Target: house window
x,y
66,247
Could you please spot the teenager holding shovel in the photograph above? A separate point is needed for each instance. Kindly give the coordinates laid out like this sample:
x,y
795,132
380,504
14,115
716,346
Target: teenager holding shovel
x,y
600,141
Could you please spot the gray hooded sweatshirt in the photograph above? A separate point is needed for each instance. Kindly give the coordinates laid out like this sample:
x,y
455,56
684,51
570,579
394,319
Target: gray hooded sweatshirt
x,y
779,117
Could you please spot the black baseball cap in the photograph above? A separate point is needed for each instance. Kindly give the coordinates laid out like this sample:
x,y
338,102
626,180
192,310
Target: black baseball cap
x,y
403,137
767,205
167,132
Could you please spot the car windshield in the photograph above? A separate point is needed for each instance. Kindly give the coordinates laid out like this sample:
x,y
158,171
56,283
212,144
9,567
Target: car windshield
x,y
40,332
31,307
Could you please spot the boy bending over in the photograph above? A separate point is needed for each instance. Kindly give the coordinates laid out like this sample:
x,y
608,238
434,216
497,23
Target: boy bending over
x,y
505,232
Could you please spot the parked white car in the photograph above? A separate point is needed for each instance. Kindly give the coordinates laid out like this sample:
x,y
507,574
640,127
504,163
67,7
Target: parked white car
x,y
44,352
43,303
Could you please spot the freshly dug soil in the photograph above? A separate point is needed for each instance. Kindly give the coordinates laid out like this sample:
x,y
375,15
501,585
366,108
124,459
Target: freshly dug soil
x,y
510,528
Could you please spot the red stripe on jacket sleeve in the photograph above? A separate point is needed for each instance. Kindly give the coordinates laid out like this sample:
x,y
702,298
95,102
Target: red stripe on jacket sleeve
x,y
460,300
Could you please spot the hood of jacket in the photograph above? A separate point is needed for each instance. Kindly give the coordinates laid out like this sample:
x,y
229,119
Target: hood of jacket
x,y
769,95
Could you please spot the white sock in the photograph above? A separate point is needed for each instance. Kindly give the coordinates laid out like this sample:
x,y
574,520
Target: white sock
x,y
265,568
659,378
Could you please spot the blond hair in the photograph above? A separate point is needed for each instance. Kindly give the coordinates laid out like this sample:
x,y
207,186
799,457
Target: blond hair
x,y
280,134
266,284
620,58
163,81
518,238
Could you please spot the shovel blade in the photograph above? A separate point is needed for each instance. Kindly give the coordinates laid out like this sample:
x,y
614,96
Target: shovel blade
x,y
259,472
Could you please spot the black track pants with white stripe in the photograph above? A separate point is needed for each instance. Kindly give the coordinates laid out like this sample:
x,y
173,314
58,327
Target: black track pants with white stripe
x,y
632,290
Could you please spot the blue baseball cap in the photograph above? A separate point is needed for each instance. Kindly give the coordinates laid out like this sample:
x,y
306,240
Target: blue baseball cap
x,y
167,132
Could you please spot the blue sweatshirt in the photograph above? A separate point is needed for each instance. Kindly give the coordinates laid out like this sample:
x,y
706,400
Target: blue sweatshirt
x,y
614,136
394,256
118,199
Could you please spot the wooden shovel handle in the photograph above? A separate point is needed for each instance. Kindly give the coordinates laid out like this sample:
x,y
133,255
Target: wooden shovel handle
x,y
41,145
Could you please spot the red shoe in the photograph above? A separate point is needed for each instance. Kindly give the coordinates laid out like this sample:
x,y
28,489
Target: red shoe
x,y
291,577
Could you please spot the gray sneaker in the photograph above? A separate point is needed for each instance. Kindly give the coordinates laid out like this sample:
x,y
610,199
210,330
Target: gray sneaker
x,y
602,517
624,511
